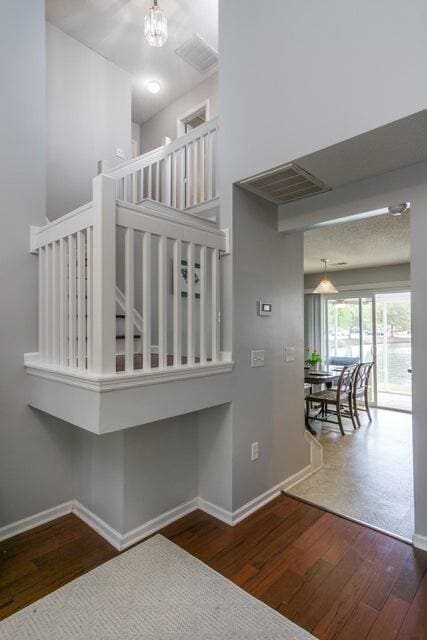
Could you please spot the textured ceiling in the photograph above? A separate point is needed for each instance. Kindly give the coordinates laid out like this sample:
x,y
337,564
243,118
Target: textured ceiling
x,y
371,242
115,30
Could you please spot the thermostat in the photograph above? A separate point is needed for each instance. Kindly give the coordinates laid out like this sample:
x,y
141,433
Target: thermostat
x,y
264,308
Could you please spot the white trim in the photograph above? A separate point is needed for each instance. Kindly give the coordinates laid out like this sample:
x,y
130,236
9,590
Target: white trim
x,y
217,512
316,451
124,380
256,503
150,527
420,542
299,476
35,520
180,121
100,526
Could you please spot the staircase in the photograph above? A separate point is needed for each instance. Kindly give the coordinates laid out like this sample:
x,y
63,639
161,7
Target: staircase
x,y
129,299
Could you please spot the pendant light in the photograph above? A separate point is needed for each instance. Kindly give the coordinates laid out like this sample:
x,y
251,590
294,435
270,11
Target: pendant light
x,y
155,26
325,285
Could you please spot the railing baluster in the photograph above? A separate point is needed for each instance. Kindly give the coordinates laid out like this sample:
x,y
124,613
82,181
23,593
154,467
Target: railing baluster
x,y
72,293
81,300
177,303
190,303
55,303
163,321
89,293
48,302
135,187
209,165
157,178
182,178
167,192
174,178
202,168
190,176
146,300
195,171
150,182
203,305
130,305
63,303
215,305
42,304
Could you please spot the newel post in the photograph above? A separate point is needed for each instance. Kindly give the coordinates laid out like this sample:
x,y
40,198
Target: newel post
x,y
104,275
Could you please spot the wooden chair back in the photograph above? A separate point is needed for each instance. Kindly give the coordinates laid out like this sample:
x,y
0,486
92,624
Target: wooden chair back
x,y
361,379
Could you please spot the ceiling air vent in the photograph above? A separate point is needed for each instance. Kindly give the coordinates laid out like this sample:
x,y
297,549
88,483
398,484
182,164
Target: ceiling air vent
x,y
198,53
285,184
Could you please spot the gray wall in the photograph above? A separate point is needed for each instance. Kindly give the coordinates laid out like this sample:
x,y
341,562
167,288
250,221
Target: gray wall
x,y
269,401
164,123
35,450
88,117
388,275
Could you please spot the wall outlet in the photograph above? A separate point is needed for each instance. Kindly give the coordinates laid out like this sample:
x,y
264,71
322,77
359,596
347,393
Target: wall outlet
x,y
254,450
289,354
120,153
258,358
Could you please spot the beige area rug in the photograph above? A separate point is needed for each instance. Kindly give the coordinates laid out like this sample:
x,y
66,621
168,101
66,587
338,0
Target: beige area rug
x,y
155,591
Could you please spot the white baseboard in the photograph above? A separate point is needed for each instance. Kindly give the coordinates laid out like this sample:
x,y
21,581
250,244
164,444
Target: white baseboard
x,y
420,542
123,541
217,512
35,520
150,527
100,526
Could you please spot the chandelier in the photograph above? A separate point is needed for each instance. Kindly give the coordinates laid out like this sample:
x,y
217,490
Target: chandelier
x,y
155,26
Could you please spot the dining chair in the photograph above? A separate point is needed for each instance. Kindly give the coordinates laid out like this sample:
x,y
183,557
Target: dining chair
x,y
341,397
361,389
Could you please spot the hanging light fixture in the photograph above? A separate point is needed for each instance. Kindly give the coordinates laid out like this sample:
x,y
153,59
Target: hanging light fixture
x,y
155,26
325,285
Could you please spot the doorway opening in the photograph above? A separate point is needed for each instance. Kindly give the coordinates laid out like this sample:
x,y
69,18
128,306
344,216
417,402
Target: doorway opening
x,y
361,326
193,118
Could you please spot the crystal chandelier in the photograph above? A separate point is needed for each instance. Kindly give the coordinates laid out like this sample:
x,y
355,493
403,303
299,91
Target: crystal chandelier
x,y
156,26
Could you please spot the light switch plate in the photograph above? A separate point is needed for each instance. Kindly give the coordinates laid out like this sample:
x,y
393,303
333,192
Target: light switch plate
x,y
254,450
289,354
258,358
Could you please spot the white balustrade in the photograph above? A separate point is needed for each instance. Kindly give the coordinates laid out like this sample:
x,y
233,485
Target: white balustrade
x,y
169,265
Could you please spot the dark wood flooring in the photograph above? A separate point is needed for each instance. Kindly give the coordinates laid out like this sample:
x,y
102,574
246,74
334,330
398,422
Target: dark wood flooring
x,y
337,579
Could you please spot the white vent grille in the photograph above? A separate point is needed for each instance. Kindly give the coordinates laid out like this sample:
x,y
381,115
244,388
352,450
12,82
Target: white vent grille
x,y
198,53
285,184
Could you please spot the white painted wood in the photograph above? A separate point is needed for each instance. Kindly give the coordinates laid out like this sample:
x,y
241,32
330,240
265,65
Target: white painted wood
x,y
62,227
202,173
183,179
81,300
42,304
129,293
135,187
63,303
203,305
150,182
157,181
72,302
163,320
175,174
167,195
89,294
195,185
146,300
210,165
215,305
160,224
55,310
137,317
189,162
104,275
190,303
177,310
48,302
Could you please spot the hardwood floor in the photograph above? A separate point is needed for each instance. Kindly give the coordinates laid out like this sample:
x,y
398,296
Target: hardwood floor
x,y
333,577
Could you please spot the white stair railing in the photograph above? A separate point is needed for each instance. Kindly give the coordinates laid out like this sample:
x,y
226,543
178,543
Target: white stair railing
x,y
171,287
180,174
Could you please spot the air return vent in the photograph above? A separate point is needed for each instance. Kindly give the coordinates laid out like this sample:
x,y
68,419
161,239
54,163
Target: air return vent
x,y
285,184
198,53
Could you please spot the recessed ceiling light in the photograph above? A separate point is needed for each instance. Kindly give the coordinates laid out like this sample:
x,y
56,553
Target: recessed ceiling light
x,y
153,86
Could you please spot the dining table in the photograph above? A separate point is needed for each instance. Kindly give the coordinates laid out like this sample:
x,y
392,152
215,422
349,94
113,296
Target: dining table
x,y
326,376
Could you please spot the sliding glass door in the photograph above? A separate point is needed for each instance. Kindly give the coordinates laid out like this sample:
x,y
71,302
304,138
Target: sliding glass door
x,y
374,327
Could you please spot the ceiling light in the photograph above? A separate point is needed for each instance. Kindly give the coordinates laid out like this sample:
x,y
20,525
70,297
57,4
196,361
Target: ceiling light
x,y
398,209
153,86
155,26
325,285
